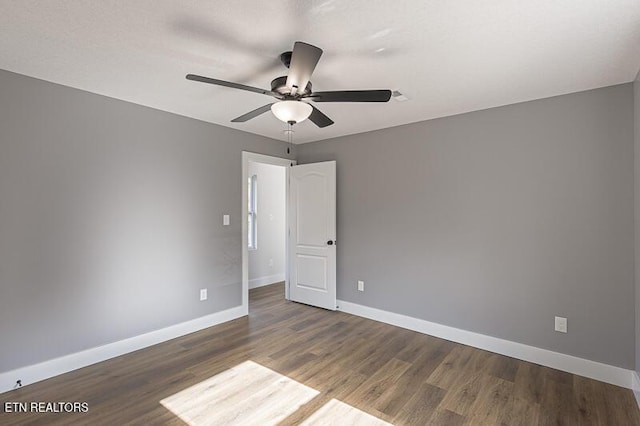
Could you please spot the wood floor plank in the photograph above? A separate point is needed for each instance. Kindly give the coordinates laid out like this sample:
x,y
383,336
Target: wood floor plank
x,y
493,404
338,367
337,412
338,389
451,369
614,404
503,367
529,382
395,396
521,412
447,418
460,397
558,404
421,406
378,383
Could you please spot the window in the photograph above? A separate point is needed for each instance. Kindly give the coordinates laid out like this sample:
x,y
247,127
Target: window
x,y
253,212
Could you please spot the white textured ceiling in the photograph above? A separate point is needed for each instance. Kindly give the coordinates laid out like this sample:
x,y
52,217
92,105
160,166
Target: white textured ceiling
x,y
447,56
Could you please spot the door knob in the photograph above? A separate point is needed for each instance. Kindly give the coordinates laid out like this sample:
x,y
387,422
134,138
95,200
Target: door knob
x,y
330,242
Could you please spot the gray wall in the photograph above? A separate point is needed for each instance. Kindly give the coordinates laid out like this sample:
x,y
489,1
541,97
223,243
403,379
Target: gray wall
x,y
268,259
111,219
496,221
636,120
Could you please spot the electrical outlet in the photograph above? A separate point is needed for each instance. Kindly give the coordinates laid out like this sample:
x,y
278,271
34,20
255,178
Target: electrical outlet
x,y
270,263
360,285
203,294
561,324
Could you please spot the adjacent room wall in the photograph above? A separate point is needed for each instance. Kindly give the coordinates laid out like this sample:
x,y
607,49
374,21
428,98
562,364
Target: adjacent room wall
x,y
636,120
496,221
111,219
266,263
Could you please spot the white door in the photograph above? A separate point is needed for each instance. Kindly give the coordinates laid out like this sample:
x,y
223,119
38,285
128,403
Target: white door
x,y
312,220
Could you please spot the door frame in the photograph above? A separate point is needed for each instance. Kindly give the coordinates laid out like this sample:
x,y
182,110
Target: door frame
x,y
252,157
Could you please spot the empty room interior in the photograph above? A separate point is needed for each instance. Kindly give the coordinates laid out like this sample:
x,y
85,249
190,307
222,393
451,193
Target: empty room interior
x,y
321,212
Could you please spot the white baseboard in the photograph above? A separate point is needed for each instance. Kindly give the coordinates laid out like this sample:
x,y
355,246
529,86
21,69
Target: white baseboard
x,y
262,281
580,366
44,370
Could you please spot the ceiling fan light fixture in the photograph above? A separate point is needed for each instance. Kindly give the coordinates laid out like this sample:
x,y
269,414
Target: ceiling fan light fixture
x,y
291,111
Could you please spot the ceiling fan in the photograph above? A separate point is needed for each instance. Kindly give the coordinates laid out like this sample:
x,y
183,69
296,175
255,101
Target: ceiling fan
x,y
292,91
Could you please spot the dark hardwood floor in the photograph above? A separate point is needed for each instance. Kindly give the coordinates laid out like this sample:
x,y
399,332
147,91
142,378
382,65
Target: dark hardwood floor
x,y
293,364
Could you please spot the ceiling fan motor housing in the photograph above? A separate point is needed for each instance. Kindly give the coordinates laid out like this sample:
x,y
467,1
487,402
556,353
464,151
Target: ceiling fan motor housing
x,y
279,85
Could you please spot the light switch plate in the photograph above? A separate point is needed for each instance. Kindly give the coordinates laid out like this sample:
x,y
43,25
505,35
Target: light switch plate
x,y
203,294
561,324
225,220
360,285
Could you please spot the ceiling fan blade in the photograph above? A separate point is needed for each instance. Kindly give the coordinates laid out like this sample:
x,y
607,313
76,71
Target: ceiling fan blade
x,y
252,114
319,119
304,59
352,96
202,79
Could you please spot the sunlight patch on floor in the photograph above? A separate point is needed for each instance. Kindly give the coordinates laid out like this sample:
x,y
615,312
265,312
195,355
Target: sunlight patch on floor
x,y
337,412
247,394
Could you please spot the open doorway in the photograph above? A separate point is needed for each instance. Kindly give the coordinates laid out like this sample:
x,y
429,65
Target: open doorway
x,y
265,230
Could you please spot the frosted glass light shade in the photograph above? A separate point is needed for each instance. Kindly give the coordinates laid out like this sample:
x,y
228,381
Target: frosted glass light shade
x,y
295,111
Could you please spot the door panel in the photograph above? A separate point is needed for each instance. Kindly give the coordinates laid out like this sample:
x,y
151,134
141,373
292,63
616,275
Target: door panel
x,y
312,195
312,272
312,210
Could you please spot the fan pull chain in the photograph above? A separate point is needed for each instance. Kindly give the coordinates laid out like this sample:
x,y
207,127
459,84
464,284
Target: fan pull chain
x,y
289,132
